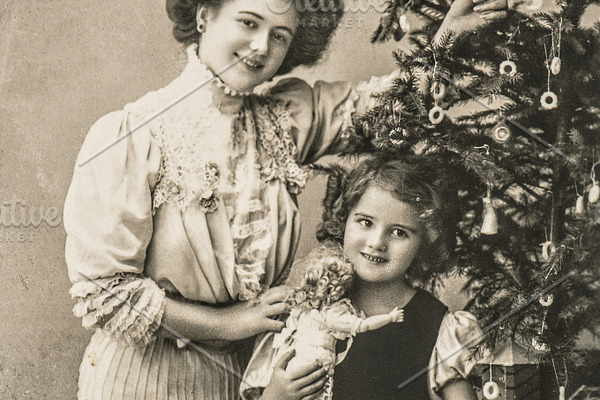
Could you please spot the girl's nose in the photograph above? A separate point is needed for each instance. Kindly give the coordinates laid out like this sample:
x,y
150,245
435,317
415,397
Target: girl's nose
x,y
376,240
260,43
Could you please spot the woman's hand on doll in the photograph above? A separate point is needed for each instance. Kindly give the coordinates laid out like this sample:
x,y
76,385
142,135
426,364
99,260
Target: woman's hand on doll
x,y
397,314
470,15
249,318
301,384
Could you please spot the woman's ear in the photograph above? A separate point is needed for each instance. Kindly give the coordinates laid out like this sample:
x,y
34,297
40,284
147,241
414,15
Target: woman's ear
x,y
201,18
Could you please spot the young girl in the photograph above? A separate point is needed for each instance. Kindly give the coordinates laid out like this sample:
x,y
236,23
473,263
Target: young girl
x,y
391,223
182,213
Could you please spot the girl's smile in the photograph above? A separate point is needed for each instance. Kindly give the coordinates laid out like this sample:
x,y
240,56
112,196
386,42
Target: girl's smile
x,y
382,237
245,39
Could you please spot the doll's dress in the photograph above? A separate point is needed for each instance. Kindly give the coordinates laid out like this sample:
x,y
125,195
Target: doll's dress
x,y
170,197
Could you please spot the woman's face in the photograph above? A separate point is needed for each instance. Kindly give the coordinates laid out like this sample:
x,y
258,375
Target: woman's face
x,y
382,237
246,40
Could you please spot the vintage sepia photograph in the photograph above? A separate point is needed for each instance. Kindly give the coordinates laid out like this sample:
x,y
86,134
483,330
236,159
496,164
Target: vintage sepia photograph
x,y
300,199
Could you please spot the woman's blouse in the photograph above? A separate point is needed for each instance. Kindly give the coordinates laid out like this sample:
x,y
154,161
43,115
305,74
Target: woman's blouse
x,y
172,197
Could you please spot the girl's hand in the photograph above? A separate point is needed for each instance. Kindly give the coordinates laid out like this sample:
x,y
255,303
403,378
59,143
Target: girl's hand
x,y
299,384
469,15
249,318
397,315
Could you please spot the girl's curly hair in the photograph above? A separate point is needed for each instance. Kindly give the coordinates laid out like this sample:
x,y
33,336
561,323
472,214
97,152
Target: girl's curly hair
x,y
315,28
408,180
326,280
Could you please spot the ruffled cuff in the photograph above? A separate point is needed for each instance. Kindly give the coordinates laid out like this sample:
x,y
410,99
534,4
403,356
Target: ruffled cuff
x,y
126,306
453,355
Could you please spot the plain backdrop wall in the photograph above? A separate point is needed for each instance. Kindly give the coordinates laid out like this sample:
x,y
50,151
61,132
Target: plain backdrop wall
x,y
63,64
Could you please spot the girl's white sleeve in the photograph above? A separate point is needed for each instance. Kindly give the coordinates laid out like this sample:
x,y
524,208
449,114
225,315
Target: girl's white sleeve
x,y
453,356
320,114
108,220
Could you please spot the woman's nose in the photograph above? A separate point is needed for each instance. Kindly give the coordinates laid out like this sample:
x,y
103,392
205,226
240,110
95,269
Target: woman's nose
x,y
376,240
260,43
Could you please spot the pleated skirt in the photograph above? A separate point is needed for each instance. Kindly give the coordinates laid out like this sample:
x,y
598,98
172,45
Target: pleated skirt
x,y
113,370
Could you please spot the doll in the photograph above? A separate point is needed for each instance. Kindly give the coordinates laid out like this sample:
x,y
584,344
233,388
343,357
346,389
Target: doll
x,y
321,315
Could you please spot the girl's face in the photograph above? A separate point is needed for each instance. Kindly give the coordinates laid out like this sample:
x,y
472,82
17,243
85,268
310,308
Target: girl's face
x,y
382,237
246,28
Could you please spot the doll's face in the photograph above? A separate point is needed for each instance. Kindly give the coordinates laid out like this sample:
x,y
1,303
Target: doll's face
x,y
382,237
241,28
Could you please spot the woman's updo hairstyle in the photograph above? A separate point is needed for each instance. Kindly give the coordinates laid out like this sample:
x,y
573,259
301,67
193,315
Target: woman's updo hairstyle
x,y
316,25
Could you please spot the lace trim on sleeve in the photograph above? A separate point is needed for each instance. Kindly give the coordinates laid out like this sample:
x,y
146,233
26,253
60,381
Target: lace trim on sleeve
x,y
126,306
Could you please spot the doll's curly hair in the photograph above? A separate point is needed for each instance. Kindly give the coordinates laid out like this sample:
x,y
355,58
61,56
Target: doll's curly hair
x,y
315,28
409,180
326,280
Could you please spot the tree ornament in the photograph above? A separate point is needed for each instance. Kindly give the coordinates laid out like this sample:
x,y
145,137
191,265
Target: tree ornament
x,y
508,68
490,221
548,248
561,393
436,115
594,193
555,66
501,133
579,205
534,5
539,346
439,90
491,390
546,300
404,24
549,100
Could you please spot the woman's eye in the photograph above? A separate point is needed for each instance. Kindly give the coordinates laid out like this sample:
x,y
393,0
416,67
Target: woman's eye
x,y
248,23
280,37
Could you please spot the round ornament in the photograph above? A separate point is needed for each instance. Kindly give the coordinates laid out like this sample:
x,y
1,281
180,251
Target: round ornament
x,y
491,390
436,115
501,133
549,100
546,300
534,5
404,24
594,194
508,68
579,205
555,66
439,90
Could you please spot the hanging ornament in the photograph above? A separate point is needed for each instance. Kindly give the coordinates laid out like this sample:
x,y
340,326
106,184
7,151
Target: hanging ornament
x,y
594,193
490,221
404,24
436,115
579,205
508,68
534,5
501,133
549,100
439,90
546,300
491,390
561,393
555,66
548,248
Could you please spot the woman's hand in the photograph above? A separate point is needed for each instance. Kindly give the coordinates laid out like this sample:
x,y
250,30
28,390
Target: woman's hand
x,y
300,384
249,318
470,15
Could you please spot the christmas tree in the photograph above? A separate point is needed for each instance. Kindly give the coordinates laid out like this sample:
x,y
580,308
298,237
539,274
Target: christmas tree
x,y
509,117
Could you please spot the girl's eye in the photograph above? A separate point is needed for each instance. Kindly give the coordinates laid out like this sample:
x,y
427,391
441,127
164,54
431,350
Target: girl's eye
x,y
398,232
365,222
280,38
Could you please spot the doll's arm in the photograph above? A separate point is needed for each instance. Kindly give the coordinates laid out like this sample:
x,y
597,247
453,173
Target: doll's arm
x,y
378,321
